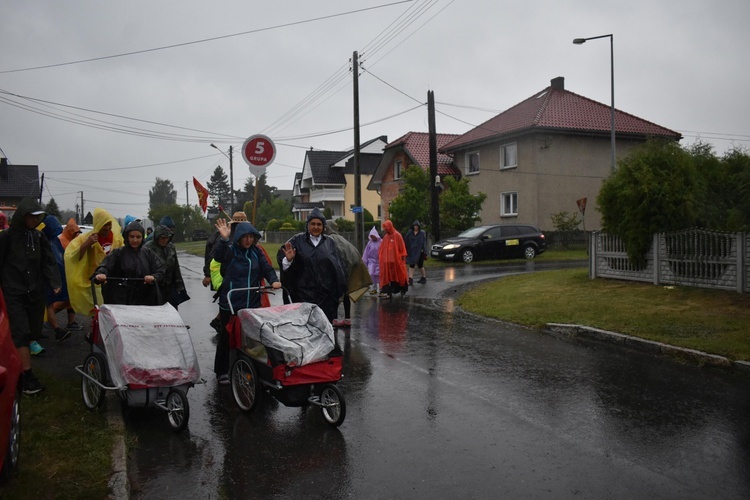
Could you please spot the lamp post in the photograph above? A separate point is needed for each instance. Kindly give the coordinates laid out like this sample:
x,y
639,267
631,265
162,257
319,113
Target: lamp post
x,y
580,41
231,177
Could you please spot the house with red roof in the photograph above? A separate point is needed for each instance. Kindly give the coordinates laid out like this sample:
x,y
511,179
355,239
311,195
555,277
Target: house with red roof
x,y
539,157
412,148
327,181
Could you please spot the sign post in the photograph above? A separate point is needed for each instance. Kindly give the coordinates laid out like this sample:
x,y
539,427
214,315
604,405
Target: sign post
x,y
258,151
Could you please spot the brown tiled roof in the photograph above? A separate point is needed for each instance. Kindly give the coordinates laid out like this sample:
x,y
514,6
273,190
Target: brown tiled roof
x,y
557,109
417,146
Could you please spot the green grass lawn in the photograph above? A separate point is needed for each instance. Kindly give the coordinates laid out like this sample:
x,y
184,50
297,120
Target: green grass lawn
x,y
712,321
66,450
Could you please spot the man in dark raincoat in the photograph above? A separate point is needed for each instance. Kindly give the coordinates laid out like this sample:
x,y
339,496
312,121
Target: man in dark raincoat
x,y
172,286
311,267
27,263
136,263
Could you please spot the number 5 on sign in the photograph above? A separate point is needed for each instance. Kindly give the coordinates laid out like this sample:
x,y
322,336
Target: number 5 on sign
x,y
258,151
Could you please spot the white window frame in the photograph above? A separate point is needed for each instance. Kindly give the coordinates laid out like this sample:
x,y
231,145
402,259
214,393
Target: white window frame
x,y
503,150
512,197
398,167
467,164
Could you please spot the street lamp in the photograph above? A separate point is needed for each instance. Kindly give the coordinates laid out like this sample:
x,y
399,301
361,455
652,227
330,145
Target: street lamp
x,y
580,41
231,176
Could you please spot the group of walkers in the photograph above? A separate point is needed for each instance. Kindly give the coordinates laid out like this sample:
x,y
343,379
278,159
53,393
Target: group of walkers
x,y
47,269
391,260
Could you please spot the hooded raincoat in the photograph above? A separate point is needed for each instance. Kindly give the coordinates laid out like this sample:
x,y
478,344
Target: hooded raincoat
x,y
79,266
69,232
370,255
52,230
416,244
243,268
172,286
392,256
317,273
134,263
27,265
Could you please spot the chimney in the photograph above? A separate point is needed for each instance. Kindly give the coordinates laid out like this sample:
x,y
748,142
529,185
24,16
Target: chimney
x,y
558,83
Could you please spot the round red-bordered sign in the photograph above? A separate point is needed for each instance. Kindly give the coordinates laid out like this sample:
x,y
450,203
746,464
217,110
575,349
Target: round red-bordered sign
x,y
258,151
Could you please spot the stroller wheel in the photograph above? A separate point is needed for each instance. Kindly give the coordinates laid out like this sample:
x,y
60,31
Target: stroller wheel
x,y
178,411
245,385
95,369
332,405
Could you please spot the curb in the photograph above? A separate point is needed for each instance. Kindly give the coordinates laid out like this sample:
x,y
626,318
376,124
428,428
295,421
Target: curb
x,y
119,484
691,356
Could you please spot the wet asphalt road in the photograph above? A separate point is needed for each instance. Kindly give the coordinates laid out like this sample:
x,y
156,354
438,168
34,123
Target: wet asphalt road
x,y
441,404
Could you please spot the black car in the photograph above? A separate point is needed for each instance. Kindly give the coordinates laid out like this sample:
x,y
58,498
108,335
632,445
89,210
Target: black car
x,y
492,242
200,235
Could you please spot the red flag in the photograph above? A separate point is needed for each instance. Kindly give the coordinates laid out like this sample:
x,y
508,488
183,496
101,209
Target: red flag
x,y
202,194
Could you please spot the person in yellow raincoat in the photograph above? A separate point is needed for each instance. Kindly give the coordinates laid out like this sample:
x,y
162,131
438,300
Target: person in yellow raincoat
x,y
84,254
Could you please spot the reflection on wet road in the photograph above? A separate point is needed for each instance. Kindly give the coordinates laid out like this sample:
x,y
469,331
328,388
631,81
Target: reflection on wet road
x,y
442,404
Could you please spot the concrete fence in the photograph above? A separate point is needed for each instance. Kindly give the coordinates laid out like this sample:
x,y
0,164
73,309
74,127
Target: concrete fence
x,y
695,257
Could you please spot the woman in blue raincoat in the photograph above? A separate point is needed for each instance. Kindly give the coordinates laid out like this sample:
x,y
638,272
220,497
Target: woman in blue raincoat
x,y
244,266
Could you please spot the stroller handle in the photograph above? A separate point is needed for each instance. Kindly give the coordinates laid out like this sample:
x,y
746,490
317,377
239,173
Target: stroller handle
x,y
94,282
257,289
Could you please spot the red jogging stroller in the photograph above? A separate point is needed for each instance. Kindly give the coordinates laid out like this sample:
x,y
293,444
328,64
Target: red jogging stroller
x,y
290,352
145,354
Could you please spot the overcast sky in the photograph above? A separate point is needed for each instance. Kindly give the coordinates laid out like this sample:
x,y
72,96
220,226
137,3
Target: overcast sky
x,y
285,73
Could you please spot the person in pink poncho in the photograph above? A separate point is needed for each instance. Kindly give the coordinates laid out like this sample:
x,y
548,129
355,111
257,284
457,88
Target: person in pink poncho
x,y
371,259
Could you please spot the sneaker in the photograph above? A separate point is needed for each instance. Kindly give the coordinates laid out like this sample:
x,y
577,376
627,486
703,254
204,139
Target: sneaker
x,y
31,385
61,334
373,292
422,280
223,379
74,327
35,349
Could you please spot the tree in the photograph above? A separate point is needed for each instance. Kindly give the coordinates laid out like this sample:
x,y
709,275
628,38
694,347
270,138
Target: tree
x,y
565,221
266,193
414,201
218,188
275,209
654,189
186,219
52,209
459,209
163,193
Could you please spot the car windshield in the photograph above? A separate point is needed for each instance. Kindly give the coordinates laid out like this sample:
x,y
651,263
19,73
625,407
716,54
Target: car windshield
x,y
473,232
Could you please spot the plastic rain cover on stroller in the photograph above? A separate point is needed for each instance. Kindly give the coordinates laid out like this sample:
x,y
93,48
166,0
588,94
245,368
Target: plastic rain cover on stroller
x,y
147,345
300,331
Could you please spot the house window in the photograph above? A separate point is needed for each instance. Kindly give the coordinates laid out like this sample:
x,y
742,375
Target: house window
x,y
509,204
380,212
472,163
508,155
397,170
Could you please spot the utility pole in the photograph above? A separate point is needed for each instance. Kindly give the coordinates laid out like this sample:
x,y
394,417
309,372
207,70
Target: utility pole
x,y
83,214
187,196
41,188
231,183
358,214
434,188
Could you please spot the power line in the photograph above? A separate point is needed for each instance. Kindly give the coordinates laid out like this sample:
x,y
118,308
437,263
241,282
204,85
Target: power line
x,y
204,40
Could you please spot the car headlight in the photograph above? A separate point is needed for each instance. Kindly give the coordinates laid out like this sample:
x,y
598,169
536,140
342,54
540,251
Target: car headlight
x,y
451,246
